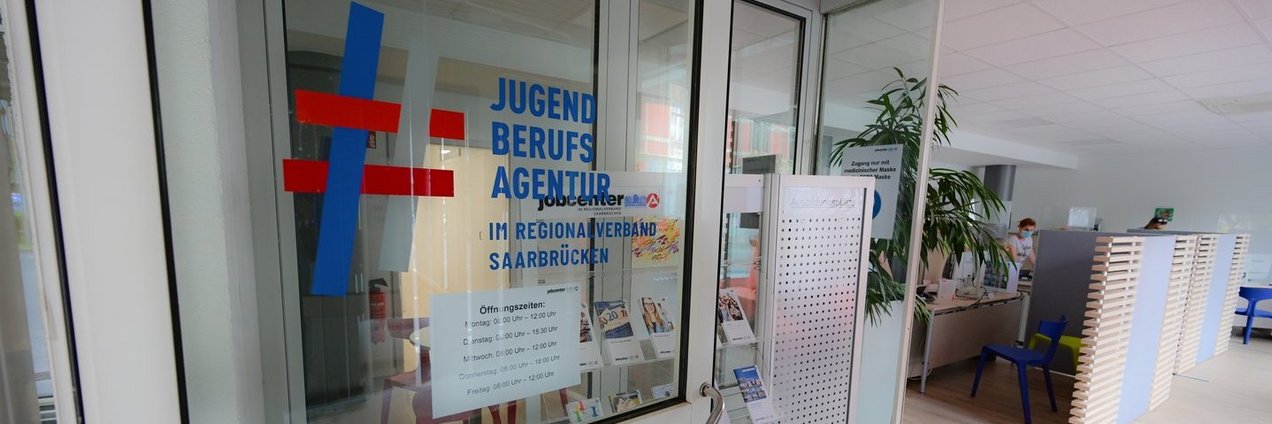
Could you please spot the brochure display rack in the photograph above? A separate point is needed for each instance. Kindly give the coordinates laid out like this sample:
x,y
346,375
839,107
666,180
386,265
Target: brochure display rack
x,y
814,234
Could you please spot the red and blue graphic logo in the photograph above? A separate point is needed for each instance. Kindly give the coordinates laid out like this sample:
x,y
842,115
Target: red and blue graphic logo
x,y
346,176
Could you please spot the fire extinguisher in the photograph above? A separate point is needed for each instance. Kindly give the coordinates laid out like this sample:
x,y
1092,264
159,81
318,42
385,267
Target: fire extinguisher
x,y
379,305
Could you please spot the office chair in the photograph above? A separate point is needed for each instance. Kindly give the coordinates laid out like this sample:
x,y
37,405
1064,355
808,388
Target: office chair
x,y
1250,311
1025,358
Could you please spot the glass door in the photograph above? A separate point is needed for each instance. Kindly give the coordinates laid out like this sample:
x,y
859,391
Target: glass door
x,y
767,80
483,210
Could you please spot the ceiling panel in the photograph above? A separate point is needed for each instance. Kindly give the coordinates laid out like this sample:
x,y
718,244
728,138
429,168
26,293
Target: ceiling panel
x,y
910,17
1077,12
1008,91
1038,47
1257,8
1090,60
998,25
1122,89
1221,76
1097,76
1164,21
1264,25
983,79
1142,99
958,64
1142,108
1252,54
1238,89
1206,40
1036,101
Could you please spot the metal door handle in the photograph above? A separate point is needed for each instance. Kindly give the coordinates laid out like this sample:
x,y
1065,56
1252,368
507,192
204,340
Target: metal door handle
x,y
717,401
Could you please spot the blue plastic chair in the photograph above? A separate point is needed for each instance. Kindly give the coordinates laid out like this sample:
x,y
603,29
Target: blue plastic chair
x,y
1025,358
1250,311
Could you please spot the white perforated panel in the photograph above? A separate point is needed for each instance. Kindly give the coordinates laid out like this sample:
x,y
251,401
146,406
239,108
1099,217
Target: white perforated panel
x,y
816,268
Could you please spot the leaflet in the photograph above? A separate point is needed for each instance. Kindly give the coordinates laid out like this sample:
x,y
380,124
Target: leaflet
x,y
732,319
758,403
615,323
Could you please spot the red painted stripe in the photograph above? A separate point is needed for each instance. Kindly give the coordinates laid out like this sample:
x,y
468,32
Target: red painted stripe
x,y
446,124
310,176
348,112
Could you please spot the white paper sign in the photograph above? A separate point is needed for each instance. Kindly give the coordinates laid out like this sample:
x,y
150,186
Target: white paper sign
x,y
589,349
884,164
496,346
732,319
758,402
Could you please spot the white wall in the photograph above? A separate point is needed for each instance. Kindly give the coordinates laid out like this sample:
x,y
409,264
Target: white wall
x,y
1211,190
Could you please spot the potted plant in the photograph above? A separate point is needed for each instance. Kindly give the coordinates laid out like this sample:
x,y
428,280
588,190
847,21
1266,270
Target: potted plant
x,y
958,203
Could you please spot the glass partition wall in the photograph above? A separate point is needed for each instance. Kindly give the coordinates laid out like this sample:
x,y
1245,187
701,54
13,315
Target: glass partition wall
x,y
537,225
870,50
477,210
767,65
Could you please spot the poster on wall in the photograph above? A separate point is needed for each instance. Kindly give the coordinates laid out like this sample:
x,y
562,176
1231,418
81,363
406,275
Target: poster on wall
x,y
589,348
616,326
489,347
755,395
732,319
884,164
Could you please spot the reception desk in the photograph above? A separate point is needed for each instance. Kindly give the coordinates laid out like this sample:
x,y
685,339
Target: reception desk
x,y
959,328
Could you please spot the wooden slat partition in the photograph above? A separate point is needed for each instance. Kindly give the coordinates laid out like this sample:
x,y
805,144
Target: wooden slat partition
x,y
1106,330
1172,323
1235,277
1195,308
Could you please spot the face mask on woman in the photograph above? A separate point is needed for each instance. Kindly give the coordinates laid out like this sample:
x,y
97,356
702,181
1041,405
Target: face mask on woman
x,y
1026,234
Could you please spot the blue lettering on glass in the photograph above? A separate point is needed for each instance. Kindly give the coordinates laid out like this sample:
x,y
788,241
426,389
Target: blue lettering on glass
x,y
545,143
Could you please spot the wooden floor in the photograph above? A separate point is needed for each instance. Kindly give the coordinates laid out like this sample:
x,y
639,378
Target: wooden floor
x,y
1234,387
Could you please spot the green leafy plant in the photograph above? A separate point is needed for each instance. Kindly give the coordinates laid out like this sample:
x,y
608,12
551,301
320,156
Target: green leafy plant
x,y
958,203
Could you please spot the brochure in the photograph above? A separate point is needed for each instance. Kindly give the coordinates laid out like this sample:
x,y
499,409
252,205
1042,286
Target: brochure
x,y
625,401
732,319
589,348
659,324
758,403
663,391
615,324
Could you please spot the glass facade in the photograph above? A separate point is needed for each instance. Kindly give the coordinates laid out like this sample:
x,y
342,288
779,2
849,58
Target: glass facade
x,y
871,52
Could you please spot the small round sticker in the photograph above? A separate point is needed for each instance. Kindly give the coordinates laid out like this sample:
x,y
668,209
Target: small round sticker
x,y
878,204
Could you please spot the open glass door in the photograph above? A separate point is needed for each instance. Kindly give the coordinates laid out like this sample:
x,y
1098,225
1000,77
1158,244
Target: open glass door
x,y
767,83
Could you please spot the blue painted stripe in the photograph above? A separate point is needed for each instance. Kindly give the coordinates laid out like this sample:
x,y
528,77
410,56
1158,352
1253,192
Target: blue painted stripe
x,y
339,223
